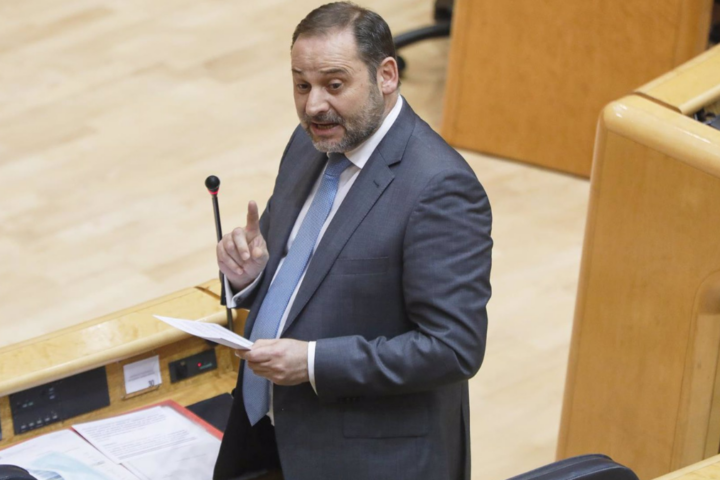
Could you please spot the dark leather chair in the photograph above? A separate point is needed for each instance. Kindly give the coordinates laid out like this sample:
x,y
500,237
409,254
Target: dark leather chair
x,y
443,16
583,467
715,27
11,472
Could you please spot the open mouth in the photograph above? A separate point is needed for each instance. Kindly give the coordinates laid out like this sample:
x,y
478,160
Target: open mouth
x,y
325,129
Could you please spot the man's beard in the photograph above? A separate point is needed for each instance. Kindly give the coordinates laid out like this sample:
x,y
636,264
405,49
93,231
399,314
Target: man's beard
x,y
358,128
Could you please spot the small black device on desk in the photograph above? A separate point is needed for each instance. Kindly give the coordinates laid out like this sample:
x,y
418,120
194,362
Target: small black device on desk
x,y
57,401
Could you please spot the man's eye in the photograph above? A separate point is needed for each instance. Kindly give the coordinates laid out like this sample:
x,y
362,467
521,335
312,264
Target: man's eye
x,y
335,86
302,86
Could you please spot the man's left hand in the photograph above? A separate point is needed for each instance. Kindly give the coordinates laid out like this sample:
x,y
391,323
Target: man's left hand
x,y
283,361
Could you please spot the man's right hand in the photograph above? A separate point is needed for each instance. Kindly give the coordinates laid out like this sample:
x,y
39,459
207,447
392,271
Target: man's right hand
x,y
243,254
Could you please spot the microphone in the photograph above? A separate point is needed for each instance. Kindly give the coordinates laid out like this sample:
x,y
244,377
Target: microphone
x,y
212,183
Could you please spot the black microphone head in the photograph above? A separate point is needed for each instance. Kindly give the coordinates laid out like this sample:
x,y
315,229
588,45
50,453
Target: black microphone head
x,y
212,183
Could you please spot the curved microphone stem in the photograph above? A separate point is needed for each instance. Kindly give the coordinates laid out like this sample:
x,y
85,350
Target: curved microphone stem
x,y
213,185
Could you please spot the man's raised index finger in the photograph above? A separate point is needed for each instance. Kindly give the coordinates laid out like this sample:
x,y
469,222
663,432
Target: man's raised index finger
x,y
253,218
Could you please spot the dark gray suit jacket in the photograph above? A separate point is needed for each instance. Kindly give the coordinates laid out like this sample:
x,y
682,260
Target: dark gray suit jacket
x,y
395,297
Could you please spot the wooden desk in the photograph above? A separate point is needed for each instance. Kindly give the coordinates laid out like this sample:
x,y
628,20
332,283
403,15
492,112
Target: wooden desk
x,y
643,384
526,79
114,341
706,470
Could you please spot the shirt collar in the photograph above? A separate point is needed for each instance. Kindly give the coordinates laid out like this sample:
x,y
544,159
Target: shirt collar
x,y
361,154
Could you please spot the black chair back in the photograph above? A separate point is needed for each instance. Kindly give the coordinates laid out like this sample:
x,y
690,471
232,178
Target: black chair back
x,y
583,467
11,472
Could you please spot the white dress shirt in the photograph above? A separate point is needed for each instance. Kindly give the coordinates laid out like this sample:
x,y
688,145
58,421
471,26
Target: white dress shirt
x,y
358,157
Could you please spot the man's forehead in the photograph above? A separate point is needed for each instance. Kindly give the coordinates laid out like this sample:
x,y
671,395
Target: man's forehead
x,y
330,53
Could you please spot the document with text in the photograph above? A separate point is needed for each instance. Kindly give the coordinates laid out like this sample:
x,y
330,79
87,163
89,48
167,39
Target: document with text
x,y
155,444
63,455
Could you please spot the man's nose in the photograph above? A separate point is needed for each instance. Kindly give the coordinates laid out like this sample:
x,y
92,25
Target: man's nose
x,y
316,102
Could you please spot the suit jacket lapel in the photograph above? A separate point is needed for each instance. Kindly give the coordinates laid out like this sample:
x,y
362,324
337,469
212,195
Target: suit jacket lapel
x,y
372,181
293,193
287,201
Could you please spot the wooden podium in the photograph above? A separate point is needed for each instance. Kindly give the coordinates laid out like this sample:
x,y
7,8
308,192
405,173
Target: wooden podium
x,y
526,79
643,383
110,343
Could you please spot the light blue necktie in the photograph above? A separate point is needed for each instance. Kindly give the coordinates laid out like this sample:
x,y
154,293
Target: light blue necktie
x,y
256,390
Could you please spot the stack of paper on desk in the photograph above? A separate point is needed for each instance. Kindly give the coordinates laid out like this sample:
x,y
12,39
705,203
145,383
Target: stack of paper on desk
x,y
157,443
209,331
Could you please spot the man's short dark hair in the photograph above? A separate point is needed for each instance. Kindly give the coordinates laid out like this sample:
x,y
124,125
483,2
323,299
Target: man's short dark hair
x,y
372,34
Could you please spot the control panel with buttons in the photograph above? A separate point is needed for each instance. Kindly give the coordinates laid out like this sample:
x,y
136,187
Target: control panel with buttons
x,y
56,401
194,365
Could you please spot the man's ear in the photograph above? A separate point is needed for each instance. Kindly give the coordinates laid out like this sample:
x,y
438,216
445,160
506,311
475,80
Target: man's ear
x,y
388,76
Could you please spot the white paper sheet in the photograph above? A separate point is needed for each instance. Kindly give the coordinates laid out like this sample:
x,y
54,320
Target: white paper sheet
x,y
142,374
195,461
209,331
139,433
155,444
63,455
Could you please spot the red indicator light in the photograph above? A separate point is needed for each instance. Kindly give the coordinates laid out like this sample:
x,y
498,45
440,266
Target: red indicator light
x,y
199,364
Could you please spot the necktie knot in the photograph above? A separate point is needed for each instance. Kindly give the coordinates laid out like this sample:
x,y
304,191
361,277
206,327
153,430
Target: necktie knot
x,y
337,163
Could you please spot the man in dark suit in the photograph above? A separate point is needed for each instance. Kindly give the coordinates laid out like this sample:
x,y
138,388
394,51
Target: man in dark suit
x,y
367,279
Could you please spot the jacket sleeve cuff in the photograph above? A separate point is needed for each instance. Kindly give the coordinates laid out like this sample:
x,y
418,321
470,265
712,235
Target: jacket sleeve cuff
x,y
233,300
311,364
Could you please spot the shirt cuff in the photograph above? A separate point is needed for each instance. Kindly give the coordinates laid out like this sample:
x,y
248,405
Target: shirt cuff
x,y
232,300
311,364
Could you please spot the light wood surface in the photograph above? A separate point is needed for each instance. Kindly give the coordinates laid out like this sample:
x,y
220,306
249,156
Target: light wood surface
x,y
642,381
698,81
113,113
527,79
708,469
